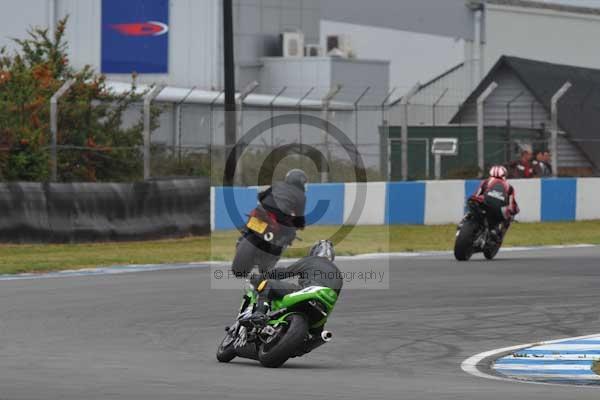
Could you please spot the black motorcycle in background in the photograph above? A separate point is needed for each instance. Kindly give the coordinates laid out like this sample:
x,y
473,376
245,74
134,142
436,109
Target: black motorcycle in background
x,y
474,234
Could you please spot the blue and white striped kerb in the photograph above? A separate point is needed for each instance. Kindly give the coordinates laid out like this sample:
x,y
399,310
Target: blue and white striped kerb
x,y
417,203
564,361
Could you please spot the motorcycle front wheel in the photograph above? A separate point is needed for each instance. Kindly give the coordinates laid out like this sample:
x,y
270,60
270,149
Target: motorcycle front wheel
x,y
226,351
491,252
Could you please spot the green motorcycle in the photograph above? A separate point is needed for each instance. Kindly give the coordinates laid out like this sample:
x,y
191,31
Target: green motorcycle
x,y
294,327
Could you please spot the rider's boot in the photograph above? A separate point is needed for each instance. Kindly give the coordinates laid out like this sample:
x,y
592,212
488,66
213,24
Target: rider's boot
x,y
259,317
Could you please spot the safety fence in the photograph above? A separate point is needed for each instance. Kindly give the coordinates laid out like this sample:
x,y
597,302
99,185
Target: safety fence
x,y
415,203
92,212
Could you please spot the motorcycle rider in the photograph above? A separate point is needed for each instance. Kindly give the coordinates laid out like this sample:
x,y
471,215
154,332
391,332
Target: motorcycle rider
x,y
317,269
500,198
285,201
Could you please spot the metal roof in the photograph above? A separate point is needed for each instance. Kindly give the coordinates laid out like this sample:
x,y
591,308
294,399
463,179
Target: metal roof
x,y
578,110
172,94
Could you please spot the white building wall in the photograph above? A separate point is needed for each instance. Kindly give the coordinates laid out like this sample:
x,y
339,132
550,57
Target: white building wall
x,y
544,35
437,101
414,57
299,75
194,37
17,17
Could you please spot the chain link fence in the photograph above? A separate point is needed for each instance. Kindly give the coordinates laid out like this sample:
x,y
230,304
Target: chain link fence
x,y
186,139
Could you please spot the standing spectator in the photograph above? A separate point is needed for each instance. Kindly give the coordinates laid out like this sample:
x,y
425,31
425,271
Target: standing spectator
x,y
548,162
541,166
523,167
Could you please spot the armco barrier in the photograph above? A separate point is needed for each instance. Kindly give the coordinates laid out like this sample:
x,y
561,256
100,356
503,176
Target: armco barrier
x,y
559,199
373,210
325,204
85,212
224,217
405,203
588,198
430,203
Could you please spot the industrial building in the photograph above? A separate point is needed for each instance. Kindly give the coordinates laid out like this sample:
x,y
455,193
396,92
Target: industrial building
x,y
413,62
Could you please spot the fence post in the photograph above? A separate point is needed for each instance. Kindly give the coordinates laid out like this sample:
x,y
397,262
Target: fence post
x,y
252,86
177,122
508,148
387,144
299,106
480,134
326,101
151,95
272,123
554,111
356,116
211,119
54,127
435,104
404,104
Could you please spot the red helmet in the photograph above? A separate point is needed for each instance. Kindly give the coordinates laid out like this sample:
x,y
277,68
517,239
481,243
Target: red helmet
x,y
498,171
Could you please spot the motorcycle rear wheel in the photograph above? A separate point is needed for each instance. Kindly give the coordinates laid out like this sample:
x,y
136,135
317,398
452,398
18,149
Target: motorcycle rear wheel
x,y
463,246
292,337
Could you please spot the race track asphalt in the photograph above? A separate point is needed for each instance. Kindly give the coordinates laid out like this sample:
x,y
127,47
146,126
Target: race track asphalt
x,y
153,335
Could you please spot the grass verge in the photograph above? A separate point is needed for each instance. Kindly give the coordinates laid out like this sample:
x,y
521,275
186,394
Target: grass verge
x,y
362,239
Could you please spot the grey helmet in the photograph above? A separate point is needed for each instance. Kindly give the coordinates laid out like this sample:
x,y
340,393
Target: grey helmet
x,y
323,248
296,177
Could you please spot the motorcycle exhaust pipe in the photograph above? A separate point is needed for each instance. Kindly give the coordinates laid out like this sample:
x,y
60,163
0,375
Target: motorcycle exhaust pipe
x,y
317,341
327,336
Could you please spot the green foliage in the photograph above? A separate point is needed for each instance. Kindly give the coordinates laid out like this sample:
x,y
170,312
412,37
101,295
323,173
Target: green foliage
x,y
93,143
167,162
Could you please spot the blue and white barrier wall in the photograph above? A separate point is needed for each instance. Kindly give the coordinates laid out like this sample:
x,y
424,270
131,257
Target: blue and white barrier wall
x,y
419,203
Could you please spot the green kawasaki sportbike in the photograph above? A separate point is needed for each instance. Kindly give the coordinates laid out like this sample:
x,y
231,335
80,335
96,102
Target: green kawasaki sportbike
x,y
294,327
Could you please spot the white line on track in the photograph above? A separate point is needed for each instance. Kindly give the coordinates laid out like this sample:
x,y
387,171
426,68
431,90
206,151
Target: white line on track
x,y
128,269
471,364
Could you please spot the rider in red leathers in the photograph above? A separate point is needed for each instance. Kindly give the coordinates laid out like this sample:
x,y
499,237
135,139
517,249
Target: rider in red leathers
x,y
499,198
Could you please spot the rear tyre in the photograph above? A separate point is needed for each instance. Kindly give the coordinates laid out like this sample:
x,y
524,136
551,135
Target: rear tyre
x,y
226,350
463,246
290,340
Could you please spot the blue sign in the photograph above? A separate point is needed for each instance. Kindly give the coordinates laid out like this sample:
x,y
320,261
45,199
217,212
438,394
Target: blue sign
x,y
135,36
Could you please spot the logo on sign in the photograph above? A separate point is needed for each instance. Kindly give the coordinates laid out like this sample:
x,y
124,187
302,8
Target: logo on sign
x,y
149,28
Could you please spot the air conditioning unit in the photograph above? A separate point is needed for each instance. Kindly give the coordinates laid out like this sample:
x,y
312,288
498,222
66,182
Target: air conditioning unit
x,y
292,44
313,50
339,45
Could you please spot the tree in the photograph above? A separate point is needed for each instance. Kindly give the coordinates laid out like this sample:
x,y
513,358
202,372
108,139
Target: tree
x,y
94,145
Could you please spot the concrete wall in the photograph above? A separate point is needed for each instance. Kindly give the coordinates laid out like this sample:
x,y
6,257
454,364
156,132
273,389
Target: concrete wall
x,y
424,203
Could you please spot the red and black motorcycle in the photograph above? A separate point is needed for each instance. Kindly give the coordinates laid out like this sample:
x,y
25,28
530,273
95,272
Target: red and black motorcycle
x,y
474,233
